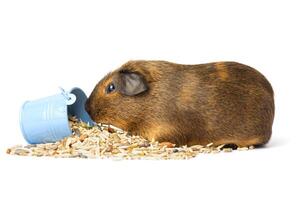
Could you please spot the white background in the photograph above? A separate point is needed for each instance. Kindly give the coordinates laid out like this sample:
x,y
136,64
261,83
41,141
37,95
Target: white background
x,y
46,44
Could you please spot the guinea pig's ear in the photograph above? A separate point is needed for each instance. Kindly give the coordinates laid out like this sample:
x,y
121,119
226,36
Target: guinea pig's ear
x,y
132,83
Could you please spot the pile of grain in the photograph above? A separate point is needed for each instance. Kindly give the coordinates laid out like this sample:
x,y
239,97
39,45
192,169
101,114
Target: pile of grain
x,y
109,142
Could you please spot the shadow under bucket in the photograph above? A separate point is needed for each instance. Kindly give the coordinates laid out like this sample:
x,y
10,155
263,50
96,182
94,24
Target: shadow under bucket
x,y
46,120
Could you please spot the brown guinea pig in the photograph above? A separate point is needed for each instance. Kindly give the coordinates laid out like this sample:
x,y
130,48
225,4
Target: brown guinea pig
x,y
219,103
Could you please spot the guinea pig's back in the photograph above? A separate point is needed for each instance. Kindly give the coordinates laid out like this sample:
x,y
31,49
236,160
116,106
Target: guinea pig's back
x,y
230,72
233,100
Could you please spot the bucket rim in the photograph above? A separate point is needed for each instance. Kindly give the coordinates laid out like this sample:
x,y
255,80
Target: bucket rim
x,y
85,117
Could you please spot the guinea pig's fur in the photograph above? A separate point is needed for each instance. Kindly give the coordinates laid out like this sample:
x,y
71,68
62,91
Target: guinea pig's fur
x,y
219,103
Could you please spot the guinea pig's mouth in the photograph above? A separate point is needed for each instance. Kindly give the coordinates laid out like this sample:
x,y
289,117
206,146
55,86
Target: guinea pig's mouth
x,y
93,113
96,114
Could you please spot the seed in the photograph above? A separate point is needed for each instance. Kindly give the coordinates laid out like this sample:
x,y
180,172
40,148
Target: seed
x,y
38,154
22,152
167,144
115,151
111,130
115,137
8,151
83,137
210,144
220,146
133,145
109,148
215,151
76,131
242,148
30,146
80,155
72,119
55,153
196,147
227,149
51,146
144,144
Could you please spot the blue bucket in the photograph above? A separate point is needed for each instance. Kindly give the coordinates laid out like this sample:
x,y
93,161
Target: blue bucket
x,y
46,120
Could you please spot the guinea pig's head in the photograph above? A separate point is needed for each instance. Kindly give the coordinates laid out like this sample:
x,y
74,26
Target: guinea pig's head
x,y
118,98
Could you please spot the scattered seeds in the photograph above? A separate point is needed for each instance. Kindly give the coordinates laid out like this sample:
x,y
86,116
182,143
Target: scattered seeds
x,y
106,141
242,148
210,144
227,149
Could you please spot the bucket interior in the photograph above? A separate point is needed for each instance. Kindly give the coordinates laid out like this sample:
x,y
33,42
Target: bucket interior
x,y
77,109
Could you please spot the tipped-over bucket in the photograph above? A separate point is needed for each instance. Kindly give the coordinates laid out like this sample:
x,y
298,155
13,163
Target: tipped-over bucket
x,y
46,120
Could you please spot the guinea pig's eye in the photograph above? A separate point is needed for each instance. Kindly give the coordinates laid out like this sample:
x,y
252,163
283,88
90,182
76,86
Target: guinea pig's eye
x,y
110,88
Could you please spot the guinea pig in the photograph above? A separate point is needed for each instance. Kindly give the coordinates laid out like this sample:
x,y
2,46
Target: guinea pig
x,y
219,103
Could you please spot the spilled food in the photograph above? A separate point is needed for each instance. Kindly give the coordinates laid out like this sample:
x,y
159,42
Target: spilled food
x,y
104,141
